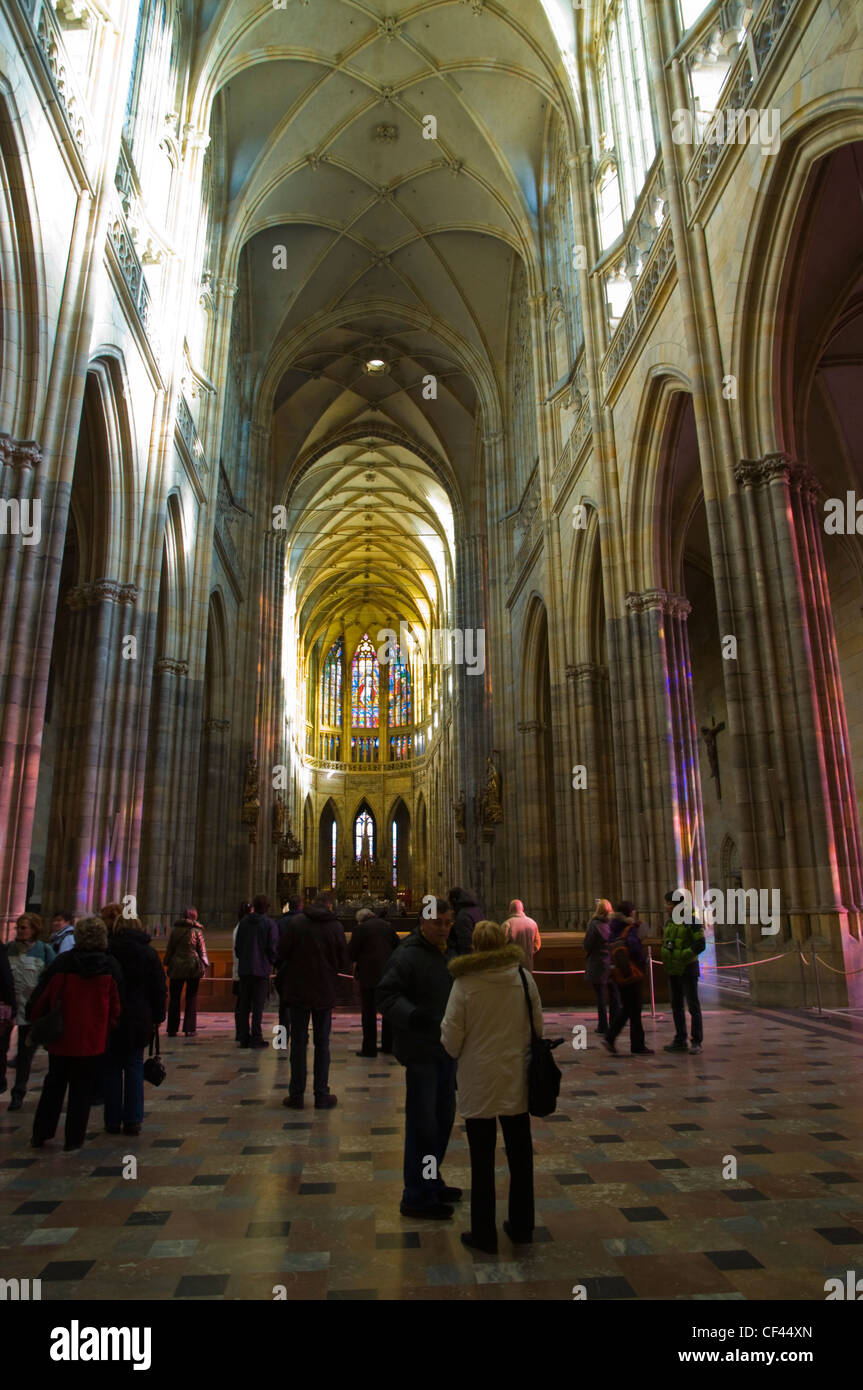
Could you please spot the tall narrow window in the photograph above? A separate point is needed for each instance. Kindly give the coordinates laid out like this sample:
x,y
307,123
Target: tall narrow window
x,y
333,858
365,683
395,854
364,824
331,687
400,692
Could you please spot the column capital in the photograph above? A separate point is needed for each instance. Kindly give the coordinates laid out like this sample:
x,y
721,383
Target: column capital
x,y
19,453
492,438
226,288
195,139
102,591
775,467
173,667
530,726
676,605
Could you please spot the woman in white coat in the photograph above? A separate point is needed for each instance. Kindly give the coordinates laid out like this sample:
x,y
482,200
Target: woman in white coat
x,y
486,1027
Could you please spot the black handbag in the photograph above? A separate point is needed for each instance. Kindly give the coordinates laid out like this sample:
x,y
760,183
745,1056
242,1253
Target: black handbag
x,y
154,1067
543,1073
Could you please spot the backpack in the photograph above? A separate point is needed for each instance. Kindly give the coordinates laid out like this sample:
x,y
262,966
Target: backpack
x,y
623,967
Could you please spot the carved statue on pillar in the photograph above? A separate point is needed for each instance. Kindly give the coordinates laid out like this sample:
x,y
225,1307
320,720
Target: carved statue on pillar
x,y
492,810
251,801
460,830
711,734
279,818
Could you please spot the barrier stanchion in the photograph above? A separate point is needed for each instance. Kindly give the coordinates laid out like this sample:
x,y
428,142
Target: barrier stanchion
x,y
802,974
817,978
739,959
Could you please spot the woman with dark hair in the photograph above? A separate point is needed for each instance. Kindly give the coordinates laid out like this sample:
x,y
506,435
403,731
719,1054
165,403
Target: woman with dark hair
x,y
242,911
628,968
143,999
185,963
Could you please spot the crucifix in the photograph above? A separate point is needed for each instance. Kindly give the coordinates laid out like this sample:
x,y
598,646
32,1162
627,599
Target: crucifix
x,y
710,736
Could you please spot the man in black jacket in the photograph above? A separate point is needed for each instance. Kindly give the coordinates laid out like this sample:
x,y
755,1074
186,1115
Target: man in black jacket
x,y
143,996
372,943
413,997
314,951
467,913
255,949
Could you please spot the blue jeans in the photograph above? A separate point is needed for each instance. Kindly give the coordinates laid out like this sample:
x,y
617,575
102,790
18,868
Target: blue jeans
x,y
684,993
429,1115
321,1022
124,1088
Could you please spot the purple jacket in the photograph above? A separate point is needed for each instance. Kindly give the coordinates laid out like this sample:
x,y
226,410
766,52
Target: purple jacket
x,y
633,940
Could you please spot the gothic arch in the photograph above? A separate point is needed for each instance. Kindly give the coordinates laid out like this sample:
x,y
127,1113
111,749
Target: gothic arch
x,y
22,279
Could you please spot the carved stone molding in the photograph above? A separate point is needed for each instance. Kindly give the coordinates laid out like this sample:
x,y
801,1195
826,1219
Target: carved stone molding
x,y
102,591
777,467
587,671
19,453
530,726
216,726
172,666
675,605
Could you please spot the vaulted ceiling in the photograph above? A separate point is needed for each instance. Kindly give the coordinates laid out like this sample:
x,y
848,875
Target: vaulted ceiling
x,y
397,247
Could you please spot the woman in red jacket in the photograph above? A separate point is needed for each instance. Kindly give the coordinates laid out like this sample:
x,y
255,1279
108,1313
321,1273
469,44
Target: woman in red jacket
x,y
85,984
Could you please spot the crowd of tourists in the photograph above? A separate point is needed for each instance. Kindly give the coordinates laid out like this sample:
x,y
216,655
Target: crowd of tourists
x,y
457,1000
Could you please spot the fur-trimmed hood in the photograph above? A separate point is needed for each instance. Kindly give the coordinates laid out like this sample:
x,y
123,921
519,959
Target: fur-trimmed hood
x,y
486,960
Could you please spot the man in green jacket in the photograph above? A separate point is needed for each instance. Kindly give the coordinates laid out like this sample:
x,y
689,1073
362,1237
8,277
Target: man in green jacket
x,y
682,944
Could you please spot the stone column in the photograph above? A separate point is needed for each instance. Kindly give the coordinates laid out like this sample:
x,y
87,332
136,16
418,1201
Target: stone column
x,y
533,820
26,571
658,777
800,781
88,858
164,884
593,859
472,712
270,719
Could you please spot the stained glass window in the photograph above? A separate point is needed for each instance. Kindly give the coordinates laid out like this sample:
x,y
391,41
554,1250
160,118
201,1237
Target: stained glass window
x,y
400,747
365,683
363,822
331,687
395,854
400,691
419,690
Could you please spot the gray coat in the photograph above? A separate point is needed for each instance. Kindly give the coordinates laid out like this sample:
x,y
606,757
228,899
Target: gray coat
x,y
596,951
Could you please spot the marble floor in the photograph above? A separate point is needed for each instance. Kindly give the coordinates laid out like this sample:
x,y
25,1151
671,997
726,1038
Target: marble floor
x,y
234,1196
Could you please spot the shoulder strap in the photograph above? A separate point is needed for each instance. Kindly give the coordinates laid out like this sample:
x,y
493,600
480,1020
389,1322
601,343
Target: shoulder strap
x,y
527,1001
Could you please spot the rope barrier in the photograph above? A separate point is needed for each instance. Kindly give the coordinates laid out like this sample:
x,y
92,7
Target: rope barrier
x,y
846,973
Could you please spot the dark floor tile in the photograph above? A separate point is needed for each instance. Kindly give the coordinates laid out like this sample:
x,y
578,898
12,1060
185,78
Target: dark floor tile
x,y
387,1129
662,1163
557,1119
211,1179
355,1157
351,1295
258,1149
400,1240
253,1102
832,1176
316,1189
747,1194
573,1179
684,1129
66,1271
840,1235
579,1095
733,1259
107,1172
643,1214
297,1124
168,1143
272,1230
752,1149
829,1136
823,1105
610,1286
176,1096
17,1163
214,1120
631,1109
147,1218
758,1115
201,1285
35,1208
605,1138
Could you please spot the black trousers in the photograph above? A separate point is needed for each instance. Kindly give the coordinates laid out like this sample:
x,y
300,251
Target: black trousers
x,y
606,993
482,1138
684,991
630,1008
79,1074
190,1013
370,1026
253,997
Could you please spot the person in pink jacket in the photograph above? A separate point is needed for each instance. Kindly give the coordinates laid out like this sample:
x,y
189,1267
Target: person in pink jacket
x,y
522,931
